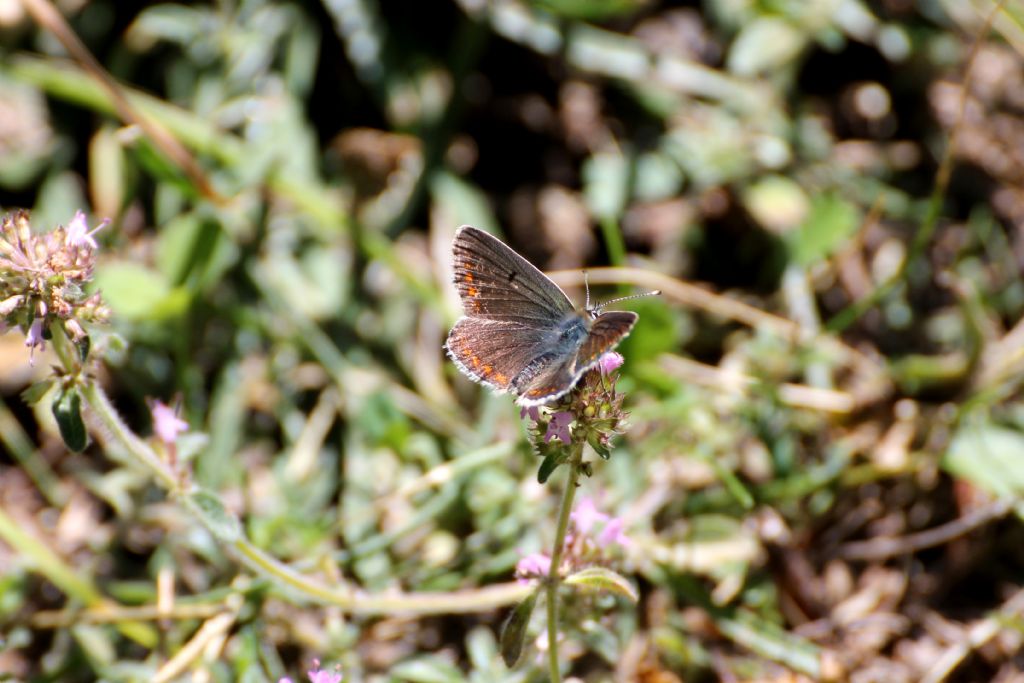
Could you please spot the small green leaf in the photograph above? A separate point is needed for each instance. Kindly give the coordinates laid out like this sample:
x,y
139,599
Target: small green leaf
x,y
765,45
832,220
428,670
114,348
591,10
67,409
137,292
35,393
605,180
595,442
215,516
600,578
513,633
989,456
551,462
771,641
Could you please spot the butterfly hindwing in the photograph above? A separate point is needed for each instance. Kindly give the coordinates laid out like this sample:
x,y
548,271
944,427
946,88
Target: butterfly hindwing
x,y
496,283
493,352
550,378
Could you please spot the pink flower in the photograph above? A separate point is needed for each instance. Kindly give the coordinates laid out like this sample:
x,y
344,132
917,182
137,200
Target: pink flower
x,y
613,532
79,235
609,362
586,516
533,412
532,566
34,339
166,423
558,428
316,675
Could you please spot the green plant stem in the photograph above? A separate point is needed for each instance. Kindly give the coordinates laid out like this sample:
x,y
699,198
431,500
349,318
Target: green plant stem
x,y
452,602
64,349
97,400
554,577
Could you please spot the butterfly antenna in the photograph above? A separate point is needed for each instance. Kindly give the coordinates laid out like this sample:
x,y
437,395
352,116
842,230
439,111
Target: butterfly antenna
x,y
656,292
586,285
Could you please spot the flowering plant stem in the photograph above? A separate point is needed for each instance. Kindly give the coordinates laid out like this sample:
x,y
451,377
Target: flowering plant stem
x,y
107,419
554,577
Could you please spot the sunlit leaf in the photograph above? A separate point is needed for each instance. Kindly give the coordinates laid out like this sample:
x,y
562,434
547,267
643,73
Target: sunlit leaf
x,y
603,579
989,456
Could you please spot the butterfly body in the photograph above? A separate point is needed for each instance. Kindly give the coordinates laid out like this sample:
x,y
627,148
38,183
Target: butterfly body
x,y
520,332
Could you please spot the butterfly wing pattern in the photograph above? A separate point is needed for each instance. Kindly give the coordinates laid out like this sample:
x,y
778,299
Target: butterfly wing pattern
x,y
520,332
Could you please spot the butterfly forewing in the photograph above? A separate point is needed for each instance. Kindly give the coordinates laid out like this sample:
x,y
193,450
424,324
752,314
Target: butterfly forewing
x,y
605,333
496,283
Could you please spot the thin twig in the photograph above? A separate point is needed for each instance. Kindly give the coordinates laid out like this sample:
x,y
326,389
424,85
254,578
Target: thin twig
x,y
795,395
884,548
875,383
47,16
114,614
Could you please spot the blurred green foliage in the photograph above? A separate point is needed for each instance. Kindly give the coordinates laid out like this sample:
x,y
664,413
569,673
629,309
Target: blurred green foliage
x,y
768,164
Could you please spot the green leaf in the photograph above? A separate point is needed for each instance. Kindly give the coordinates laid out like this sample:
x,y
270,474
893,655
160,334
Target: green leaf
x,y
194,251
771,641
214,516
67,409
551,462
605,182
595,442
590,10
427,670
765,45
989,456
831,221
114,348
513,633
158,165
603,579
35,393
138,293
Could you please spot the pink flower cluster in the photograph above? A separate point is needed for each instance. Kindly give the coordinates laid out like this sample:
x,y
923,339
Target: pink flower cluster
x,y
317,675
592,534
43,276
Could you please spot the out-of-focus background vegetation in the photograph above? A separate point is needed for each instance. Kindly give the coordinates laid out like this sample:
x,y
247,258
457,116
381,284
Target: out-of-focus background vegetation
x,y
826,455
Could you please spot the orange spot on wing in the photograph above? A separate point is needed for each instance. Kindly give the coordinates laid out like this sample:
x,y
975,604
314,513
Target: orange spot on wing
x,y
487,369
468,277
472,291
502,379
475,361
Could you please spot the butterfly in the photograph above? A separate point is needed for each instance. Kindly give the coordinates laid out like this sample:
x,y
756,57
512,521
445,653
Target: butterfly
x,y
520,333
